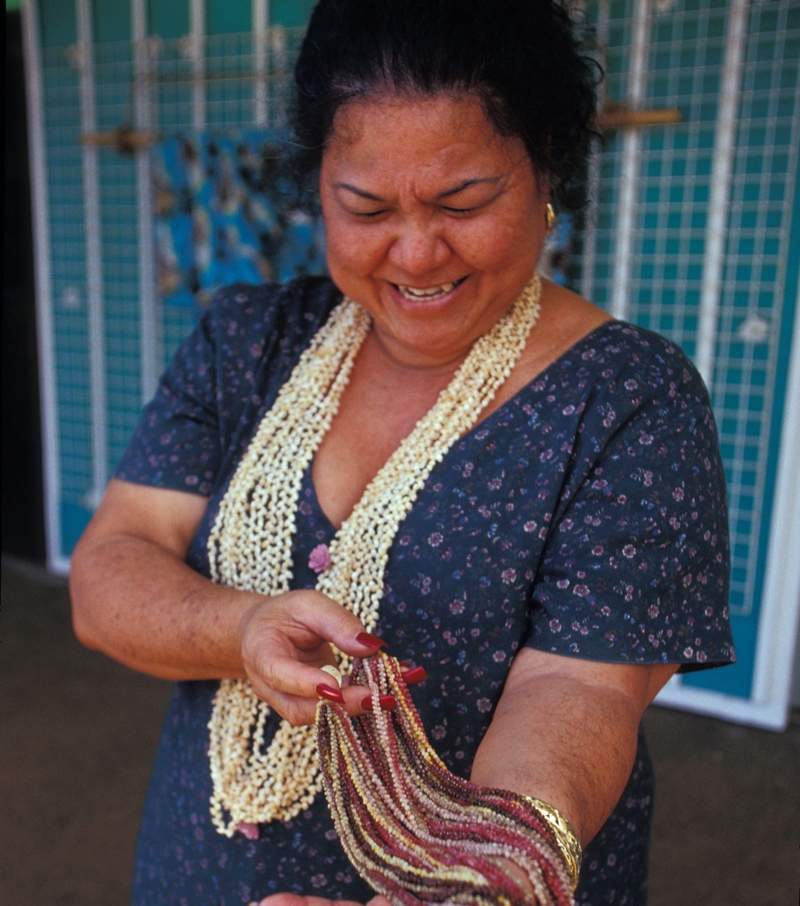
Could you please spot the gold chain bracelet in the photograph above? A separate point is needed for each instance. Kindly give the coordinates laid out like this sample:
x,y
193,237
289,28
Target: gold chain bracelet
x,y
565,836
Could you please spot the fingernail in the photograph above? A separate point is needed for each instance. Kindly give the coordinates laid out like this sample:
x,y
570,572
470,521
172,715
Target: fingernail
x,y
370,640
330,693
387,703
404,665
415,675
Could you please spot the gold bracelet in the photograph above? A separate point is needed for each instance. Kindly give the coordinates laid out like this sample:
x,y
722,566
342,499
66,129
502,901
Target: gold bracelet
x,y
565,835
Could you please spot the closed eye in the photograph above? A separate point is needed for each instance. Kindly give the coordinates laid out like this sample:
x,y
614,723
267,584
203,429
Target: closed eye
x,y
462,210
367,215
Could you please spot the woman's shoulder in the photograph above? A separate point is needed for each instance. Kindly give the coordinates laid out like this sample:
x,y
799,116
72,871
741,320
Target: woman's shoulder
x,y
293,310
586,338
623,357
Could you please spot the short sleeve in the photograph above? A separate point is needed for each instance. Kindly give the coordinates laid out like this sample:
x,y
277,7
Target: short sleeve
x,y
176,444
636,566
221,381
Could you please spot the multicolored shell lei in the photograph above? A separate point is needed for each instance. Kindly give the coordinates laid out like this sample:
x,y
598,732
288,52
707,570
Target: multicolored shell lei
x,y
414,831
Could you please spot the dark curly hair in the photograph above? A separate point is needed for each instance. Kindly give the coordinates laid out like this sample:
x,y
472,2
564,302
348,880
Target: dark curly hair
x,y
521,58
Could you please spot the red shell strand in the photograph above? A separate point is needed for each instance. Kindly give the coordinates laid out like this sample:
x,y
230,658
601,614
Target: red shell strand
x,y
417,833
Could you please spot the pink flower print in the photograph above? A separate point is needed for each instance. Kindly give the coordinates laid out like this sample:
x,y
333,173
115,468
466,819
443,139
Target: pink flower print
x,y
246,829
435,539
484,705
508,576
320,558
529,526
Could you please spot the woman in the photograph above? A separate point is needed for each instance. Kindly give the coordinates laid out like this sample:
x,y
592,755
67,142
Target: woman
x,y
564,558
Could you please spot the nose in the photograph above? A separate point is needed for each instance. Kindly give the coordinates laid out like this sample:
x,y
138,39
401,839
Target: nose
x,y
419,249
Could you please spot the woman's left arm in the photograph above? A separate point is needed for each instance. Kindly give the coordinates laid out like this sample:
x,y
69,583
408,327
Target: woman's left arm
x,y
565,732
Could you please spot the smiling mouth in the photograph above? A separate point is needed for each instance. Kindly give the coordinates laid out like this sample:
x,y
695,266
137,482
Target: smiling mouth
x,y
428,294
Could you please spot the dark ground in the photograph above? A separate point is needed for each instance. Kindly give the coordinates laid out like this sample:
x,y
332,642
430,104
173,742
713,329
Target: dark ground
x,y
79,731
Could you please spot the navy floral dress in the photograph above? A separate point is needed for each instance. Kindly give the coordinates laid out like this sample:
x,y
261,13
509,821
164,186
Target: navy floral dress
x,y
585,517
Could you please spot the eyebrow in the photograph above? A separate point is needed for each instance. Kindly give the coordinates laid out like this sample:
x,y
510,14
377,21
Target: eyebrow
x,y
362,193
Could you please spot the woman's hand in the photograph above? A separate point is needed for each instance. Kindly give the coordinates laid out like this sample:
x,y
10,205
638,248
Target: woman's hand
x,y
285,640
135,598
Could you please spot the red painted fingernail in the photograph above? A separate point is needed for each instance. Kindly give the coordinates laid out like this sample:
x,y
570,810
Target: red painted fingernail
x,y
405,665
415,675
387,702
330,693
370,640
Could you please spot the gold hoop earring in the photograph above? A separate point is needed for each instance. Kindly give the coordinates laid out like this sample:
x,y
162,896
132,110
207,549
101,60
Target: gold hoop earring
x,y
550,217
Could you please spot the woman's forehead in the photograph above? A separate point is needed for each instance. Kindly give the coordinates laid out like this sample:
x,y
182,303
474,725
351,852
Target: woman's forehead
x,y
433,135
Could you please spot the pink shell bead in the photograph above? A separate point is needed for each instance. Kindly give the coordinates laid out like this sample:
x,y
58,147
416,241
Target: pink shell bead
x,y
320,558
248,830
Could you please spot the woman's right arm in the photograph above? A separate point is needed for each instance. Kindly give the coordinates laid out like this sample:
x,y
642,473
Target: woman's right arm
x,y
135,599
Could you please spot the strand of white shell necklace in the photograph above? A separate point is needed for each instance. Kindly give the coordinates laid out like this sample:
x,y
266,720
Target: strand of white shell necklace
x,y
250,543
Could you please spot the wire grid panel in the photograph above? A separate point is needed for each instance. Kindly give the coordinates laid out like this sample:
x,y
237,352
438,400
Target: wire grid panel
x,y
236,79
113,72
612,25
753,319
61,115
685,57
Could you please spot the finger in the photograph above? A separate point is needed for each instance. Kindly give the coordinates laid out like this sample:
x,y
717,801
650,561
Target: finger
x,y
334,623
298,710
284,674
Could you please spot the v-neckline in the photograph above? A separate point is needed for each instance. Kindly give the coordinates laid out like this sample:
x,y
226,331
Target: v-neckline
x,y
512,400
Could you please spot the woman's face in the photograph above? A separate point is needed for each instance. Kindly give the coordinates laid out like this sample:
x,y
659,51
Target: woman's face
x,y
434,221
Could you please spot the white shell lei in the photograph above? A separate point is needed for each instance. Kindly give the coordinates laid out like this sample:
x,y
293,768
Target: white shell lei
x,y
250,543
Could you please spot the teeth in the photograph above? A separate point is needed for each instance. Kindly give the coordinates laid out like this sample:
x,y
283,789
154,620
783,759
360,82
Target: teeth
x,y
431,292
